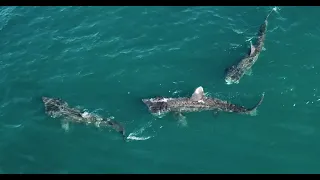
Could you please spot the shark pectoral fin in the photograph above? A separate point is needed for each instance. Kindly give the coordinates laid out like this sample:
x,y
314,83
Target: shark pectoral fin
x,y
252,49
253,111
182,120
248,72
179,115
198,94
215,114
65,125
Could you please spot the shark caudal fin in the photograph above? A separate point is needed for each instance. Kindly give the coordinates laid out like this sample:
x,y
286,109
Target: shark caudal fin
x,y
253,111
123,133
263,27
119,128
269,13
107,122
273,9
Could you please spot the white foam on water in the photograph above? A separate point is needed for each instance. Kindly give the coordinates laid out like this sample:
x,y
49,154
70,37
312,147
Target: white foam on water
x,y
13,126
275,9
133,137
249,38
136,135
5,15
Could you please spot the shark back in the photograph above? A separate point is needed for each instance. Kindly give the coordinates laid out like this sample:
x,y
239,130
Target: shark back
x,y
196,103
56,107
199,102
236,72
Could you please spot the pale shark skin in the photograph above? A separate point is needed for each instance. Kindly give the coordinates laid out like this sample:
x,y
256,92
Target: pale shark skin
x,y
57,108
197,102
236,72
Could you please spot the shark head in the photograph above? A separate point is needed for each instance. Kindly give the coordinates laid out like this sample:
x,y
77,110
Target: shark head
x,y
53,105
232,75
157,106
229,80
45,99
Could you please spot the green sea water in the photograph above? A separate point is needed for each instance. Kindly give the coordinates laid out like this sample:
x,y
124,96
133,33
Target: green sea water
x,y
106,59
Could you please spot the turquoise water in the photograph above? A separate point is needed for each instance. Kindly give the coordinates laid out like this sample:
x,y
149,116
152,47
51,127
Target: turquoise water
x,y
106,59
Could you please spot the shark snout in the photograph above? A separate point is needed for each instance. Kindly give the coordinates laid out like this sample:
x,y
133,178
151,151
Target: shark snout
x,y
228,81
146,102
45,99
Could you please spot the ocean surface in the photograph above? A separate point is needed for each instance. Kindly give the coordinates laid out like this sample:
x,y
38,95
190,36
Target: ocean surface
x,y
106,59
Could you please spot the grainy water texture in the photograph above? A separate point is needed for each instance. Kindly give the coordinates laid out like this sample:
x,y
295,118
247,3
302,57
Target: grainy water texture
x,y
106,59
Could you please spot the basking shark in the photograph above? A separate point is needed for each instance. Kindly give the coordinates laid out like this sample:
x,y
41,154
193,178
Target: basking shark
x,y
160,106
58,108
236,72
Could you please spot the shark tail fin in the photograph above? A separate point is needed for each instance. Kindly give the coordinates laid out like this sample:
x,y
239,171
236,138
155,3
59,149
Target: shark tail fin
x,y
115,126
273,9
253,111
118,127
123,132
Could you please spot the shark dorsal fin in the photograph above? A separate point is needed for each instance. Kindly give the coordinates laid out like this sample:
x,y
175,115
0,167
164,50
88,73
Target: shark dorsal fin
x,y
252,49
198,94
